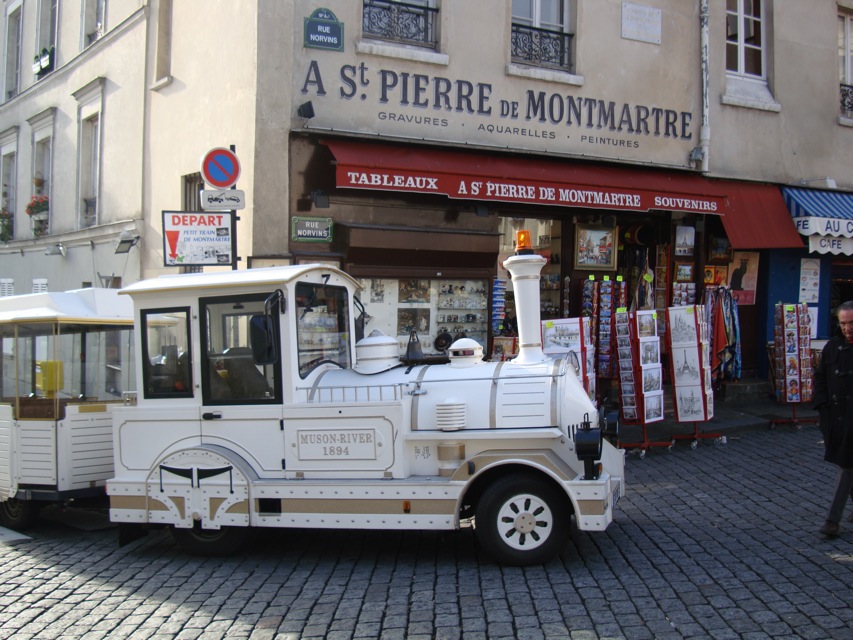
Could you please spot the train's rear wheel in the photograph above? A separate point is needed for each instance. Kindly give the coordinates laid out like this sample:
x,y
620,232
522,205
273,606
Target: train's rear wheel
x,y
18,514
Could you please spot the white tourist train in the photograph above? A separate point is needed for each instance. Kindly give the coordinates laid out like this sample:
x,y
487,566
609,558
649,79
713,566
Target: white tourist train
x,y
258,407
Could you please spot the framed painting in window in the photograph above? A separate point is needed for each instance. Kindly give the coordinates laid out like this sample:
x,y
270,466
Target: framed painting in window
x,y
595,247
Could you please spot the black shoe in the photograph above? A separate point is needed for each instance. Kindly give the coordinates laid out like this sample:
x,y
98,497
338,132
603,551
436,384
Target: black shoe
x,y
830,529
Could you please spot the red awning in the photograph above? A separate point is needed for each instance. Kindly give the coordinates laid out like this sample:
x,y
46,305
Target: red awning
x,y
758,218
480,177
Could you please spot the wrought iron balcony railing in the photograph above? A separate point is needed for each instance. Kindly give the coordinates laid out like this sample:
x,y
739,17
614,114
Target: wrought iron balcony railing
x,y
400,22
847,100
543,47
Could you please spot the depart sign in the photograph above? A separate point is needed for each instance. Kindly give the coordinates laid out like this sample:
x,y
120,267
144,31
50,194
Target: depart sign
x,y
197,238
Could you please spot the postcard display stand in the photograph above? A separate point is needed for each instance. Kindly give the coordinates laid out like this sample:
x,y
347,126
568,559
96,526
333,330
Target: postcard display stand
x,y
793,360
640,374
607,297
689,349
561,336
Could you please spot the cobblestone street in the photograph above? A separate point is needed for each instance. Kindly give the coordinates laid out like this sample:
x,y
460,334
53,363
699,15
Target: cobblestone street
x,y
716,542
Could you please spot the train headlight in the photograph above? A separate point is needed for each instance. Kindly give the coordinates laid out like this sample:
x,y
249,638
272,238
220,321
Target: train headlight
x,y
588,447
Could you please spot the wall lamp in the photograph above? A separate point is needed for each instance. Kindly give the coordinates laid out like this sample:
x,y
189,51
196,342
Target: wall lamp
x,y
55,250
306,110
320,199
126,241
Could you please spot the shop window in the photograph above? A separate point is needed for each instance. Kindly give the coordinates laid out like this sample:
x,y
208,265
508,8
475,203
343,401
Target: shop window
x,y
540,33
439,311
229,372
547,241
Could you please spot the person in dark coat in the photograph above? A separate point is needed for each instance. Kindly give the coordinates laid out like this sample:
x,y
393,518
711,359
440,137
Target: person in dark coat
x,y
833,398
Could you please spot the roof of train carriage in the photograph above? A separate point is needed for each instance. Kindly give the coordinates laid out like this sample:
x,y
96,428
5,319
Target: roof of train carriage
x,y
80,306
244,277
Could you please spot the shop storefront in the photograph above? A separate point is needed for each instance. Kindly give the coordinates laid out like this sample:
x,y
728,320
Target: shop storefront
x,y
426,230
825,219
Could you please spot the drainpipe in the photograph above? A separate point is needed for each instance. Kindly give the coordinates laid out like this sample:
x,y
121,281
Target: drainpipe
x,y
704,37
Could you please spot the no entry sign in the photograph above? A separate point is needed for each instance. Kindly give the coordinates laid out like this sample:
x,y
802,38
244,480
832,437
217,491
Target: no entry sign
x,y
220,168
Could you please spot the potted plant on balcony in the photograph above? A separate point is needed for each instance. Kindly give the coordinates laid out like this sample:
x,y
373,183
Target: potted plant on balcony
x,y
44,58
7,226
37,64
37,207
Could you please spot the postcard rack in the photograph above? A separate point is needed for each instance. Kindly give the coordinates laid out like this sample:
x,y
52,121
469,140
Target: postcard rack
x,y
690,364
791,360
640,375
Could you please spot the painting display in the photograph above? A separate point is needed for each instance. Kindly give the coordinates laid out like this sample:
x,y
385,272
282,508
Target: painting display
x,y
595,247
743,276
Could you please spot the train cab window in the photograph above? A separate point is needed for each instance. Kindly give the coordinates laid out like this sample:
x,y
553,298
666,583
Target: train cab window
x,y
230,374
322,326
167,353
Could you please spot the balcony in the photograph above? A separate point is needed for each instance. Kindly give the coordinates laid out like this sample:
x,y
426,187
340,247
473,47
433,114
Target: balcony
x,y
400,22
541,47
847,100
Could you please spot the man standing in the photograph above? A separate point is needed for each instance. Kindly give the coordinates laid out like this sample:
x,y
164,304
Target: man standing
x,y
834,400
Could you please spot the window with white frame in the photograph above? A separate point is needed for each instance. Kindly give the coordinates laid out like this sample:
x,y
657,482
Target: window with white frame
x,y
12,67
89,170
94,20
41,126
8,180
845,62
46,33
40,285
745,49
90,97
7,287
541,34
7,173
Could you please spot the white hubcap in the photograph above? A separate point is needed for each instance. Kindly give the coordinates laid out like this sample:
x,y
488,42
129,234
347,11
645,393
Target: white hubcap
x,y
525,522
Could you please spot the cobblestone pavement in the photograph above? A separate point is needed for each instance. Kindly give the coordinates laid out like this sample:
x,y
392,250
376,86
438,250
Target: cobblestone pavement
x,y
716,542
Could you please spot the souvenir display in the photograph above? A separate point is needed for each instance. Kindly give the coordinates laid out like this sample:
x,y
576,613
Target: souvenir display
x,y
589,307
605,326
498,306
561,336
687,339
793,353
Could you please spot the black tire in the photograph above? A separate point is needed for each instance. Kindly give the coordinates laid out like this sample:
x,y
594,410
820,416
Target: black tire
x,y
18,514
211,542
522,520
